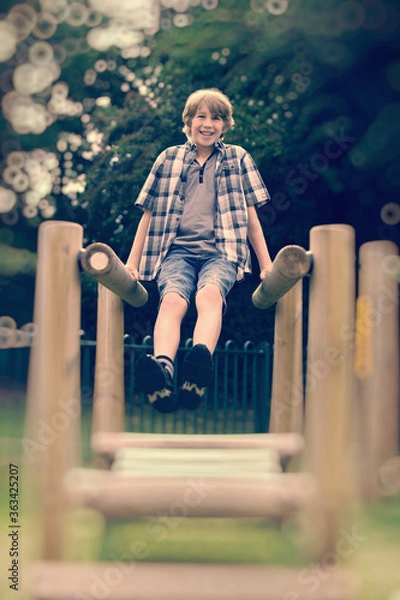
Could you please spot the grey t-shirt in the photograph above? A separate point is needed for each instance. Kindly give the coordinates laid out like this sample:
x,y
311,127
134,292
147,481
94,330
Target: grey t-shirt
x,y
196,229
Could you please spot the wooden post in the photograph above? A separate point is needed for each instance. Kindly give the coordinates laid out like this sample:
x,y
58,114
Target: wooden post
x,y
377,363
290,264
100,262
52,442
287,379
330,383
109,396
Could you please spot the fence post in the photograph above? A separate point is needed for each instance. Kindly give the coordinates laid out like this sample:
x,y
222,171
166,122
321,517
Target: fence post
x,y
52,442
329,430
263,388
287,379
377,362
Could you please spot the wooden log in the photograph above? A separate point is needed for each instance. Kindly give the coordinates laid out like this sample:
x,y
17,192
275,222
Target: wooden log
x,y
330,384
100,262
290,265
287,395
198,455
109,389
198,461
107,444
196,469
180,581
51,444
377,363
122,496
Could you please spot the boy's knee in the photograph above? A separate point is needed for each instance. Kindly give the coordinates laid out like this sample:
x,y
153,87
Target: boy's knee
x,y
209,296
174,302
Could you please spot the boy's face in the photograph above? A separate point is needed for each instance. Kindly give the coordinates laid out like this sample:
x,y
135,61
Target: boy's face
x,y
206,129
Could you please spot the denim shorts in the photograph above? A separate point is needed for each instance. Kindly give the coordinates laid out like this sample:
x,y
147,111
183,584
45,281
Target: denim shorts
x,y
184,272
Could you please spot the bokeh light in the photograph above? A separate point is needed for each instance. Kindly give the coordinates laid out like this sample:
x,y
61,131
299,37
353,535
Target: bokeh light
x,y
8,199
277,7
390,213
38,43
8,40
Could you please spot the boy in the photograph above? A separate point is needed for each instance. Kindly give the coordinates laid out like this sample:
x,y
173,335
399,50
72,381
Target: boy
x,y
199,210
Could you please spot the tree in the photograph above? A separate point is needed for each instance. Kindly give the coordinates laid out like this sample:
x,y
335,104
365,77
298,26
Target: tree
x,y
315,95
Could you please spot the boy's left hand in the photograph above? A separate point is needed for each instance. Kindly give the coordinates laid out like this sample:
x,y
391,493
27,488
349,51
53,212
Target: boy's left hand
x,y
264,272
133,271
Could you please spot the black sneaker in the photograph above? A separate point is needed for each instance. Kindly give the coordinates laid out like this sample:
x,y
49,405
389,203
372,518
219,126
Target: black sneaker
x,y
156,383
198,369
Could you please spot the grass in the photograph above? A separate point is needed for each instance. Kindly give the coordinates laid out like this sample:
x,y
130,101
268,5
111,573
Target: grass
x,y
167,538
377,559
170,539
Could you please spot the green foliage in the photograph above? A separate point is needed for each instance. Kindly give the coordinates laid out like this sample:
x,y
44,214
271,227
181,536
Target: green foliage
x,y
299,81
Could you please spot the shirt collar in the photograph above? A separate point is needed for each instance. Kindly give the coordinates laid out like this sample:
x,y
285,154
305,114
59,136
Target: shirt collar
x,y
219,145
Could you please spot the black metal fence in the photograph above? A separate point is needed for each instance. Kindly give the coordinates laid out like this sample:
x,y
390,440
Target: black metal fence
x,y
237,401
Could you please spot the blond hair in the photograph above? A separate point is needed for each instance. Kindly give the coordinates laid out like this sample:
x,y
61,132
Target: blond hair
x,y
218,104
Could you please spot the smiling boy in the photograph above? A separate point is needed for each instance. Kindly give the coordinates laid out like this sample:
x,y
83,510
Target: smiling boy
x,y
199,204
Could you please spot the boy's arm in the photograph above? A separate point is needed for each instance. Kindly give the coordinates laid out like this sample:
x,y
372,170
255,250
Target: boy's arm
x,y
135,254
257,240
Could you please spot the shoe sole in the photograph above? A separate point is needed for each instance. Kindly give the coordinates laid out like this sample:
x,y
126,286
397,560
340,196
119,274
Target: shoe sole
x,y
198,369
151,379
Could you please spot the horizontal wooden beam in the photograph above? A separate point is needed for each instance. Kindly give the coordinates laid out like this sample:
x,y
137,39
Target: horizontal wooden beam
x,y
290,265
177,581
100,262
196,461
286,444
122,495
195,455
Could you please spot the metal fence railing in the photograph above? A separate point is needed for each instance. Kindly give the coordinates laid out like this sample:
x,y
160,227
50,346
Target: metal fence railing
x,y
237,401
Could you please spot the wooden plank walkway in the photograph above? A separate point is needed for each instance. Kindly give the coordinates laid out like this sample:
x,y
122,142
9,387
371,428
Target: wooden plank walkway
x,y
286,444
178,581
123,495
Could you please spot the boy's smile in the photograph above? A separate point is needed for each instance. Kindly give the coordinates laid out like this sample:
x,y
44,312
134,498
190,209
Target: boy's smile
x,y
206,129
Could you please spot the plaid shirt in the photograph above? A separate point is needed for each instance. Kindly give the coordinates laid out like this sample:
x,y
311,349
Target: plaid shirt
x,y
238,185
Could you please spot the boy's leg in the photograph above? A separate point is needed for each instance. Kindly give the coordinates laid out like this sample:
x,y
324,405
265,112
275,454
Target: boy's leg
x,y
215,281
167,330
155,373
209,304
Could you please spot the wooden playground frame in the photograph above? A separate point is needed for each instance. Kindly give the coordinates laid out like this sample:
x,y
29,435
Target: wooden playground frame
x,y
349,427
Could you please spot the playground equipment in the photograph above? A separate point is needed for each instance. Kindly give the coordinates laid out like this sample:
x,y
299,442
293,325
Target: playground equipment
x,y
283,285
377,362
137,484
100,262
290,265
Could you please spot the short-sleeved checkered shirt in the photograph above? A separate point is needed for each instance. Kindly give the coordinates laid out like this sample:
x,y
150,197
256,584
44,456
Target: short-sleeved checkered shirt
x,y
238,185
